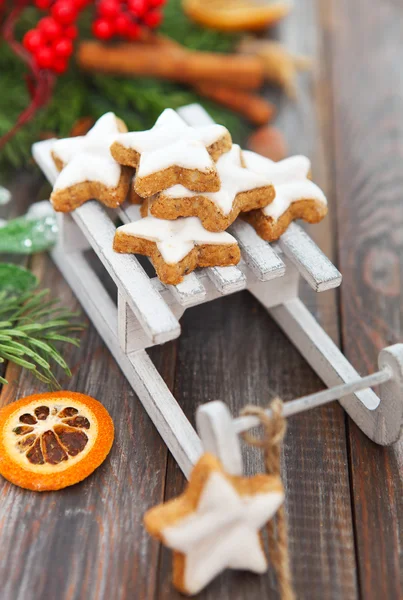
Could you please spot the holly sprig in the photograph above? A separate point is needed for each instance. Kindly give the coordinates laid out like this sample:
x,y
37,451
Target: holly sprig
x,y
138,101
51,41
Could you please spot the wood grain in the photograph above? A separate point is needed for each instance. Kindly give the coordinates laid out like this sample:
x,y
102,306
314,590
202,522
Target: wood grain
x,y
247,359
87,541
368,130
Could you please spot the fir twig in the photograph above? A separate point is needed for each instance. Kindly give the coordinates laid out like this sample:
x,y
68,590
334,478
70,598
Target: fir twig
x,y
29,328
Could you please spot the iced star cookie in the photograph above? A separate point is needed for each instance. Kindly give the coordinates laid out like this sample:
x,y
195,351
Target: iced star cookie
x,y
215,524
241,190
87,169
176,247
297,197
173,153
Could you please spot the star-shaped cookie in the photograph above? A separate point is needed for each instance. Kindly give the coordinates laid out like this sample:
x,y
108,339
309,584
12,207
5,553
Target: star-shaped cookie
x,y
215,524
173,152
176,247
87,169
297,197
241,190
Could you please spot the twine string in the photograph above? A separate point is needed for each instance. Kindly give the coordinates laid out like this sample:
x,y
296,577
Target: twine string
x,y
274,430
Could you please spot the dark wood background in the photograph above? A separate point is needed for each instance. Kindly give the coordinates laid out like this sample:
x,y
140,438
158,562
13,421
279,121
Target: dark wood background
x,y
344,493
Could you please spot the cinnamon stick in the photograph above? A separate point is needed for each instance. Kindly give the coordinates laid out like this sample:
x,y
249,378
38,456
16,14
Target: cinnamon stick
x,y
172,62
254,108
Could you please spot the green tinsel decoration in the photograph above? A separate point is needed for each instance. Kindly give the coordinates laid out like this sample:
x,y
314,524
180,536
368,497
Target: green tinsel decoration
x,y
138,101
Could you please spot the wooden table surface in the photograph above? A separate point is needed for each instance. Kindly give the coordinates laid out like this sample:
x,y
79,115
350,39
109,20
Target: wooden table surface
x,y
344,493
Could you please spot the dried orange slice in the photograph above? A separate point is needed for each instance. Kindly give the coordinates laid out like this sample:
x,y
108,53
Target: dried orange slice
x,y
236,15
50,441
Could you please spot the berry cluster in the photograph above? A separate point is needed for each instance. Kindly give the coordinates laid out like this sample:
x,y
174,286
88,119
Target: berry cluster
x,y
126,18
51,42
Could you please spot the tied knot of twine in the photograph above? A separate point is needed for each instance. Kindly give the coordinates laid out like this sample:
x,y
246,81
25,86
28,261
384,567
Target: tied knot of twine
x,y
274,426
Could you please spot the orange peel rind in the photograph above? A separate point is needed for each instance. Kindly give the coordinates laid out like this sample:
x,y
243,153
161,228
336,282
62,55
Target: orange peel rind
x,y
53,440
237,15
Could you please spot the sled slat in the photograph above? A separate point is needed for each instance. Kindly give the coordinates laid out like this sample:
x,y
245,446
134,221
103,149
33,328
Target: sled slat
x,y
258,254
310,261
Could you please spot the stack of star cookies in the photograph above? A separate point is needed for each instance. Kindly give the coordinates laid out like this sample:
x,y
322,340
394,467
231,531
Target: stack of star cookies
x,y
192,183
192,186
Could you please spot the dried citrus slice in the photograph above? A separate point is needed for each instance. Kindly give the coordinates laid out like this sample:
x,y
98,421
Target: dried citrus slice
x,y
50,441
237,15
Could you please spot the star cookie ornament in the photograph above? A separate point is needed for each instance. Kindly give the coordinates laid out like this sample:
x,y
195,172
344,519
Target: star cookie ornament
x,y
172,152
215,524
296,196
87,169
241,190
177,247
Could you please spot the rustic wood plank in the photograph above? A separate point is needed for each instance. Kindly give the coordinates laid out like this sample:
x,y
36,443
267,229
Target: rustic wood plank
x,y
87,541
227,280
368,117
246,358
313,265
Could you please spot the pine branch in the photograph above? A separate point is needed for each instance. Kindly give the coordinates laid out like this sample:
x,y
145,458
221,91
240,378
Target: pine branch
x,y
30,327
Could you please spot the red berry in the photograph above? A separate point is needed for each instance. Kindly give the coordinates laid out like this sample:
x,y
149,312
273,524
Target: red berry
x,y
50,28
59,65
43,4
152,18
134,31
138,7
155,3
63,47
44,57
32,40
122,24
102,29
71,31
64,11
80,4
109,9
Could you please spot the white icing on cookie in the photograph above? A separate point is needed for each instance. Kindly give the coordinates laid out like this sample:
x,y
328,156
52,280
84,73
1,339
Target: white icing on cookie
x,y
290,180
89,167
158,149
175,239
168,128
223,532
234,180
287,193
290,169
187,154
87,157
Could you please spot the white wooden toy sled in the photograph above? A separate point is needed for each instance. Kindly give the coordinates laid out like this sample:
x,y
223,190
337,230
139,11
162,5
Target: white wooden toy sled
x,y
148,314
